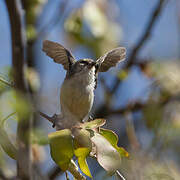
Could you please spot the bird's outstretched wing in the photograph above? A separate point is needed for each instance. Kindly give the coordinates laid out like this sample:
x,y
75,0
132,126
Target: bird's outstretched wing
x,y
58,53
111,58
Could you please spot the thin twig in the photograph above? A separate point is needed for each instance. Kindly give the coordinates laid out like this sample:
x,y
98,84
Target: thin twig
x,y
74,171
54,173
6,144
67,177
135,106
6,82
52,22
120,176
147,32
7,117
142,40
130,130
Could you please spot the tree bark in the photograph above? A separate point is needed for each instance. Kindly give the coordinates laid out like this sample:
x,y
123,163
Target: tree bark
x,y
18,47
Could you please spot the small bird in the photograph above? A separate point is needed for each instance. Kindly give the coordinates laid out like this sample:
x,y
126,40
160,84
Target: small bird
x,y
77,90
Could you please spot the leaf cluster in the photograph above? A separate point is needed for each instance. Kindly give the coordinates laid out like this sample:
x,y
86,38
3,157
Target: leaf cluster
x,y
89,139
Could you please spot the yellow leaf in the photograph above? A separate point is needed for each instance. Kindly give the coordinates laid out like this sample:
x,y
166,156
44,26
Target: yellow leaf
x,y
61,148
81,154
82,148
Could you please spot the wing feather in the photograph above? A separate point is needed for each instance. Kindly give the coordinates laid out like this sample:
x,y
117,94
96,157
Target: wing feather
x,y
58,53
111,58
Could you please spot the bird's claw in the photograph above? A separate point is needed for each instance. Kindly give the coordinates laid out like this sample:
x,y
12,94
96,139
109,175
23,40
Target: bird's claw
x,y
54,120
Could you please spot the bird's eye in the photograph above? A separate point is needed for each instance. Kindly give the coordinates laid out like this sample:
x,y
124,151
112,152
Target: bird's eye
x,y
84,63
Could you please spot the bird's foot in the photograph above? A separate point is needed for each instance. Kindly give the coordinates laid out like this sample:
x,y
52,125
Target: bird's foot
x,y
54,120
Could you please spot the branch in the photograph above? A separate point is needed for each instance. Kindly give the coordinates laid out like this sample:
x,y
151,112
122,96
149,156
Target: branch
x,y
3,120
6,82
135,106
142,40
52,22
130,130
74,171
120,176
17,44
5,142
54,172
147,32
23,129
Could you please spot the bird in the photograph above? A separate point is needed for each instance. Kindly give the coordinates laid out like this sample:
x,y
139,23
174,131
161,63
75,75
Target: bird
x,y
77,90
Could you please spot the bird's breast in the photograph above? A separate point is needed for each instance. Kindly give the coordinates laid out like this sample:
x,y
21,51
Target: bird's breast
x,y
76,98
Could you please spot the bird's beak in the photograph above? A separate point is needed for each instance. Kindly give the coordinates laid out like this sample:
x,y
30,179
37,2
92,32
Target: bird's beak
x,y
91,64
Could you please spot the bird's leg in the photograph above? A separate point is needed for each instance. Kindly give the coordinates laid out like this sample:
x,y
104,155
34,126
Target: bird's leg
x,y
54,120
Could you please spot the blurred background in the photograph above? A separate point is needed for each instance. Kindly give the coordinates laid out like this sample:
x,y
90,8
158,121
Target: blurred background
x,y
140,99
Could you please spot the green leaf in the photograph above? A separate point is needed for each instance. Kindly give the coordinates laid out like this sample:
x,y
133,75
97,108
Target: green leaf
x,y
107,156
61,148
6,144
82,148
93,124
113,139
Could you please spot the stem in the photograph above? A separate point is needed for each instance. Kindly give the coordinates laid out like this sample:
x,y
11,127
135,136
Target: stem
x,y
6,82
6,144
3,120
120,176
74,171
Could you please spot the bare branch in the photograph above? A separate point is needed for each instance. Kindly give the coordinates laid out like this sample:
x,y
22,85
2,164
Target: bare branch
x,y
120,176
74,171
23,141
135,106
17,44
3,120
147,32
142,40
52,22
54,173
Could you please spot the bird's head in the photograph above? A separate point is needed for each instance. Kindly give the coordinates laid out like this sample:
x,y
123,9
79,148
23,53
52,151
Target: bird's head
x,y
83,67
